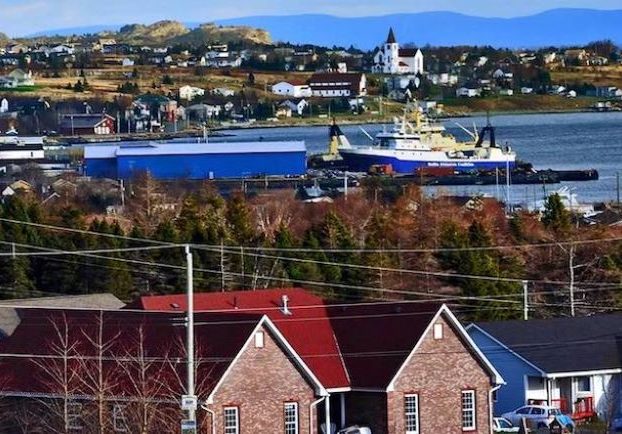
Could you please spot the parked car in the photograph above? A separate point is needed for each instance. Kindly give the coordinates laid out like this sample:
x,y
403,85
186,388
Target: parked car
x,y
500,424
355,429
539,416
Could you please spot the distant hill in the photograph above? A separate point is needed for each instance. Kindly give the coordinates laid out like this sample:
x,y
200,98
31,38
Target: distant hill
x,y
3,38
227,34
165,32
555,27
70,31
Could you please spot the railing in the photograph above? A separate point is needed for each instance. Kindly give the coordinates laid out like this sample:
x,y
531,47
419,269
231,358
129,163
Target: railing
x,y
582,409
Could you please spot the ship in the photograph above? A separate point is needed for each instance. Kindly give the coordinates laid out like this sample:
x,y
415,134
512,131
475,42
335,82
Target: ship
x,y
409,147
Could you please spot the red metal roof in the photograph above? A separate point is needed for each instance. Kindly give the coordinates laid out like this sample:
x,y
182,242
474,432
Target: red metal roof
x,y
308,328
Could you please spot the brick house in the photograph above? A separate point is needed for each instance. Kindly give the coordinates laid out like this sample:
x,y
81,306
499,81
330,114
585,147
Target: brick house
x,y
395,367
124,371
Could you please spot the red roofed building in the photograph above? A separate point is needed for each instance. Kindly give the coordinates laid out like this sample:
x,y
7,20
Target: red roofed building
x,y
395,367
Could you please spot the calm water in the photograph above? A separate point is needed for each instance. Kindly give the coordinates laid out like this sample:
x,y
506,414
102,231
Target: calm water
x,y
555,141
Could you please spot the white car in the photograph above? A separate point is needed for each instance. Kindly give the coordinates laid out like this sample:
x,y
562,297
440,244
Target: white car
x,y
355,429
500,424
539,416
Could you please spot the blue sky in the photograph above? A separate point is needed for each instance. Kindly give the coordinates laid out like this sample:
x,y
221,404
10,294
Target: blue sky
x,y
21,17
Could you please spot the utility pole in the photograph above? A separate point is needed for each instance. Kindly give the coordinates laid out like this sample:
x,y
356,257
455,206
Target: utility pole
x,y
189,401
525,300
345,184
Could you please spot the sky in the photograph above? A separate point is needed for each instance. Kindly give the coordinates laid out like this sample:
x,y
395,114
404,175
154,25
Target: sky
x,y
23,17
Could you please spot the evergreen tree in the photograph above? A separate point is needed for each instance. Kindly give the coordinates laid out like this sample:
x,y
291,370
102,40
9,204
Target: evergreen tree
x,y
555,215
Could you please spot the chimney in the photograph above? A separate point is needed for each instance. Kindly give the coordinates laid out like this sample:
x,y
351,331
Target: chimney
x,y
285,305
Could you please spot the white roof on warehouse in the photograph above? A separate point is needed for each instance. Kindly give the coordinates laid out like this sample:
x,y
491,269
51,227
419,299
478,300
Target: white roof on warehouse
x,y
130,149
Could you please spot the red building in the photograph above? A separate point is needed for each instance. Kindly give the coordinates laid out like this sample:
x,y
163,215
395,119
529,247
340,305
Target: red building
x,y
87,124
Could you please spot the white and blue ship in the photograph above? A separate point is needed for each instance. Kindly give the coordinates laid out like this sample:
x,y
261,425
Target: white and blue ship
x,y
408,148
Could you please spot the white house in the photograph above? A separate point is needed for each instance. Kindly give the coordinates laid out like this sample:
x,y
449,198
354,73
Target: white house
x,y
295,105
127,62
190,92
223,91
391,59
62,49
467,92
291,89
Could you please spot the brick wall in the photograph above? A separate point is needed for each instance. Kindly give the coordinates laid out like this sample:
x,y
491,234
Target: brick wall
x,y
261,381
438,372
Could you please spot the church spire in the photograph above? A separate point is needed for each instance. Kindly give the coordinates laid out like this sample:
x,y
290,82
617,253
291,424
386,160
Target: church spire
x,y
391,37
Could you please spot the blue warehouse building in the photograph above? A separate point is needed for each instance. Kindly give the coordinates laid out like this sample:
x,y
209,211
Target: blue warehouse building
x,y
196,160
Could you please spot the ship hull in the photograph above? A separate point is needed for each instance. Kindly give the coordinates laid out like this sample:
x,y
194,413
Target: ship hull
x,y
361,162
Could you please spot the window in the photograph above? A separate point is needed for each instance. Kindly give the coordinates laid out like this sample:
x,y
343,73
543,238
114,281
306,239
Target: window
x,y
584,384
119,422
438,331
524,410
468,410
232,420
74,415
259,340
411,413
537,411
291,418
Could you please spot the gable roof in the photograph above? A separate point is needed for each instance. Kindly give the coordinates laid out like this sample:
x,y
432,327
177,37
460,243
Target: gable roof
x,y
84,120
559,346
308,328
358,346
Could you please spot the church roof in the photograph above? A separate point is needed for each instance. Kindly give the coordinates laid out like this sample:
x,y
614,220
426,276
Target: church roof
x,y
391,37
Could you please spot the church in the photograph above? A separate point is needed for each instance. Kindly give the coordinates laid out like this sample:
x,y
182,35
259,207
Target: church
x,y
391,59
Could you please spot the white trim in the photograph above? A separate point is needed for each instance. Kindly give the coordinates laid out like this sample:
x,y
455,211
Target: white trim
x,y
472,410
338,389
462,332
237,418
265,321
296,421
555,375
497,341
416,413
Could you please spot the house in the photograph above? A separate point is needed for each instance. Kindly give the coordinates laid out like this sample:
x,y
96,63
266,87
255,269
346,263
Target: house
x,y
87,124
223,91
17,78
296,90
468,92
391,59
337,85
572,363
203,112
190,92
127,62
391,366
609,92
297,106
145,372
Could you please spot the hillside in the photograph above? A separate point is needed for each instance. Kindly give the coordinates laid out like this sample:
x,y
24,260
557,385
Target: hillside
x,y
225,34
555,27
3,38
153,33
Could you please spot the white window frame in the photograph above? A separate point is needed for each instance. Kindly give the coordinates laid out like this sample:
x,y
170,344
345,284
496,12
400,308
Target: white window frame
x,y
235,429
438,331
260,339
119,421
74,415
415,413
472,410
291,424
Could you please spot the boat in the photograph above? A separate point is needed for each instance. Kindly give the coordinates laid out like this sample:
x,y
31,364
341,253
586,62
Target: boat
x,y
410,147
